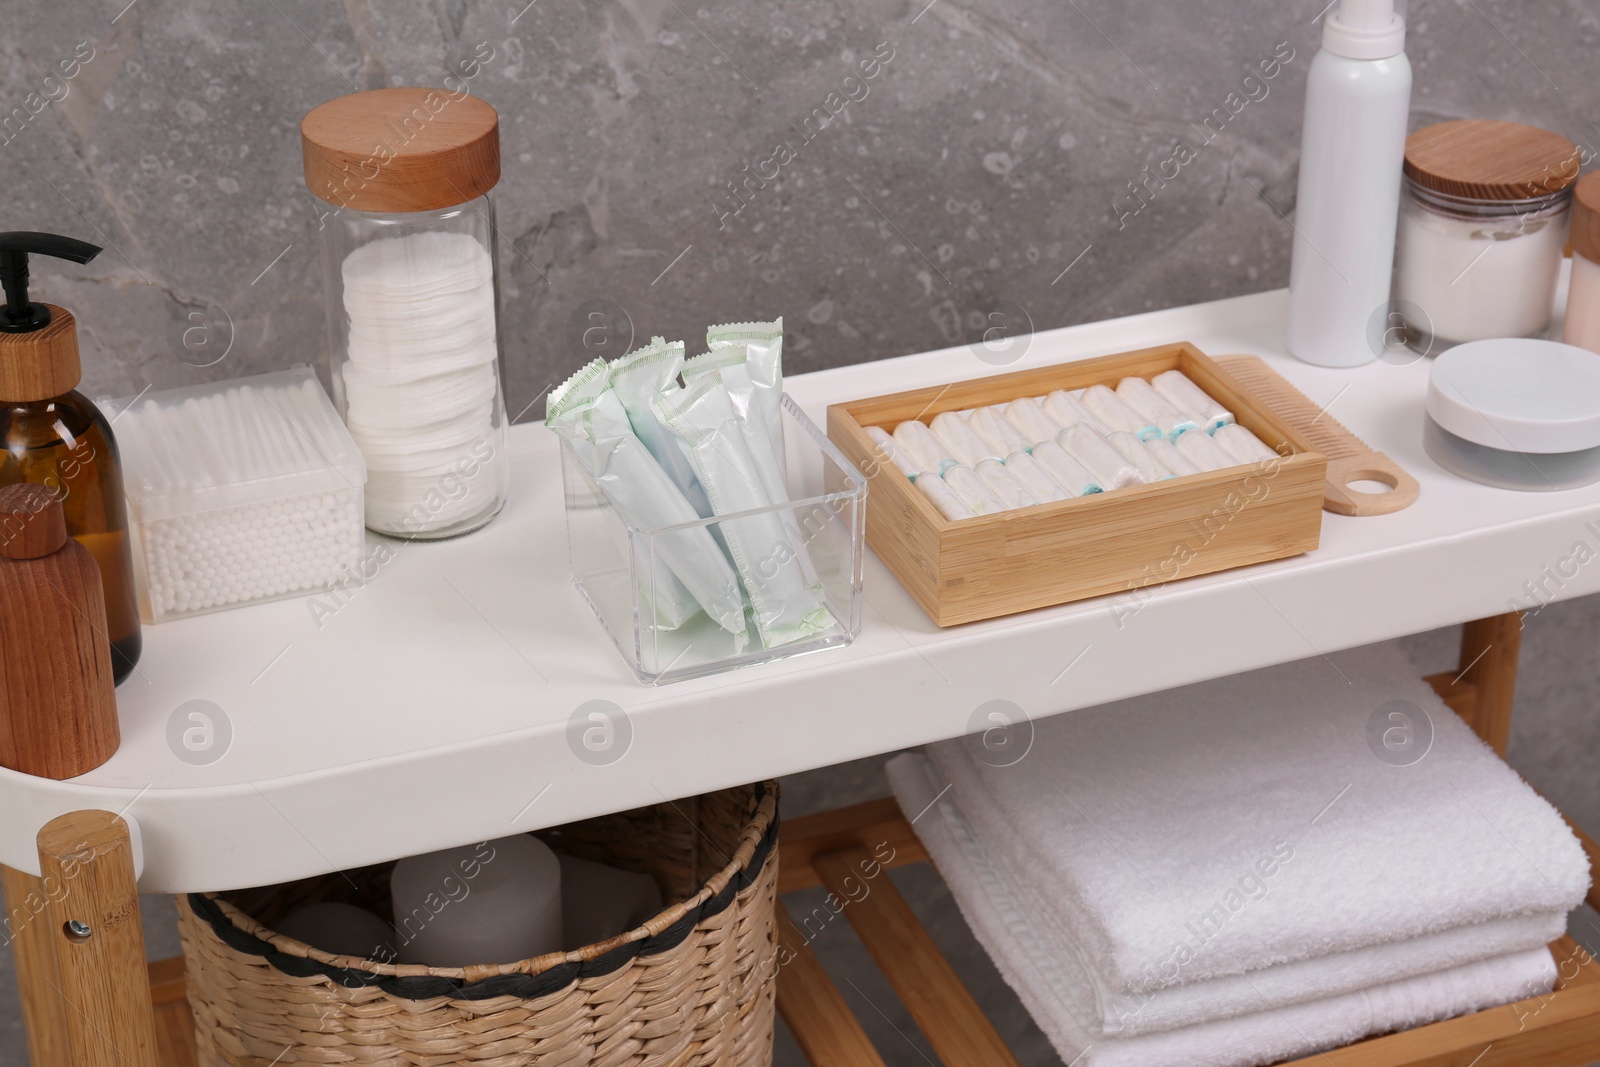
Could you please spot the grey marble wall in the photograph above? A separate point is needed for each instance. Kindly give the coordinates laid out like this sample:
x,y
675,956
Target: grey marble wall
x,y
983,167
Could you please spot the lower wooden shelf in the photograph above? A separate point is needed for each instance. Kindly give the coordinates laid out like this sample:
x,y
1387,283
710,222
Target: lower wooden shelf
x,y
1560,1029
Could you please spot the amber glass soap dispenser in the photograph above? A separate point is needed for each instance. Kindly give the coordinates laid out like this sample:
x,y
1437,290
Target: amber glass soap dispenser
x,y
54,436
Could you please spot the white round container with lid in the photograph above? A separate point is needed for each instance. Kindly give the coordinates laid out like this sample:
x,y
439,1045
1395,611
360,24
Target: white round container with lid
x,y
1583,297
407,229
1516,413
1483,223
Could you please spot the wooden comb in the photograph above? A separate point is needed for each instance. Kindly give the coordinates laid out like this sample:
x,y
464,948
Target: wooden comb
x,y
1350,459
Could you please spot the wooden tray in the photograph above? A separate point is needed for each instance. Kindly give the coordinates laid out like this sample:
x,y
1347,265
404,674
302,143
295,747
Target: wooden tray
x,y
1558,1029
1121,542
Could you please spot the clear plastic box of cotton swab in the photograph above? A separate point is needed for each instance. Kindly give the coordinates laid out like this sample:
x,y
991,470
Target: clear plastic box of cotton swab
x,y
239,492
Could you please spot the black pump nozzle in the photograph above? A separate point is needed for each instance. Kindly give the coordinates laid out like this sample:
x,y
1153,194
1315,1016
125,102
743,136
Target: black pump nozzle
x,y
19,315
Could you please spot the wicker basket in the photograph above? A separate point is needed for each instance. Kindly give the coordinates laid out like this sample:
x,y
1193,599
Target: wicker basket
x,y
693,987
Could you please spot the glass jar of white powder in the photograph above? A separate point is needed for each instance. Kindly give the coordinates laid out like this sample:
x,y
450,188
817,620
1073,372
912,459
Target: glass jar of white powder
x,y
1483,223
408,238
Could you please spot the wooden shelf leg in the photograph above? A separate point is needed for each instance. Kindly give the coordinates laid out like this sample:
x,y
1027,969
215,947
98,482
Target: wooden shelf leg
x,y
30,932
1489,650
98,941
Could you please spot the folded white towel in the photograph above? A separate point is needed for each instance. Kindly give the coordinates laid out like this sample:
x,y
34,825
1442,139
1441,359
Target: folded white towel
x,y
1051,983
1247,822
976,880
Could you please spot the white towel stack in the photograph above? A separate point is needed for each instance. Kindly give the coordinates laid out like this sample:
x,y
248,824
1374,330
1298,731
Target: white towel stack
x,y
1229,874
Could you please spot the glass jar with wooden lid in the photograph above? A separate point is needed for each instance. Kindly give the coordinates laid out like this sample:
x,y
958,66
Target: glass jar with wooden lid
x,y
406,223
1483,222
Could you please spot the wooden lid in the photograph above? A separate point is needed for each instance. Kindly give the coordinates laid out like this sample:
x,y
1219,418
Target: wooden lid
x,y
32,521
404,149
43,364
1485,159
1586,217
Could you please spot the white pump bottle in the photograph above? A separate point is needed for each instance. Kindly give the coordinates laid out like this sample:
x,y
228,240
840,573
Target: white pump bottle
x,y
1358,97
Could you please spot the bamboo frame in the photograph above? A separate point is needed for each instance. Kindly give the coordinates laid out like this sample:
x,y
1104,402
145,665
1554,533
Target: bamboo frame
x,y
1561,1029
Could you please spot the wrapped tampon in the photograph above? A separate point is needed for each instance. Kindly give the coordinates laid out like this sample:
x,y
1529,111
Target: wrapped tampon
x,y
1203,452
920,448
1106,464
1003,484
884,450
763,344
1066,410
1143,460
1243,445
1035,478
592,418
971,491
1169,456
993,427
1101,402
1027,414
1068,472
1184,395
944,498
637,379
770,565
961,440
1154,408
730,364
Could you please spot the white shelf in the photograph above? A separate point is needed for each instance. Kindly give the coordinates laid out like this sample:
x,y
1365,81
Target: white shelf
x,y
432,708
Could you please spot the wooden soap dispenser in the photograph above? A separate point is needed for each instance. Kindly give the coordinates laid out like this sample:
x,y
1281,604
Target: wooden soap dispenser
x,y
58,708
52,435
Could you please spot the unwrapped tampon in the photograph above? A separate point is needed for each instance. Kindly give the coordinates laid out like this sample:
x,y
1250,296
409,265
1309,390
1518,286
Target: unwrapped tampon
x,y
1064,469
961,440
1005,485
993,427
1143,460
1027,414
1038,481
920,448
1204,453
1170,457
1104,404
966,485
1107,465
1181,391
1156,409
1243,445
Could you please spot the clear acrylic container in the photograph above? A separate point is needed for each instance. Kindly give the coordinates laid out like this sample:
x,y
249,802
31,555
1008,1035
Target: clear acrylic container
x,y
406,224
617,567
239,492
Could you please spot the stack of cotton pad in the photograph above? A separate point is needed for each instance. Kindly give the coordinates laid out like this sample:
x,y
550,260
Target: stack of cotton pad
x,y
420,388
240,492
1036,450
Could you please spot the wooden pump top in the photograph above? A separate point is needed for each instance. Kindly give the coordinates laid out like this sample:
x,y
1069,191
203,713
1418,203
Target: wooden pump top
x,y
402,149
